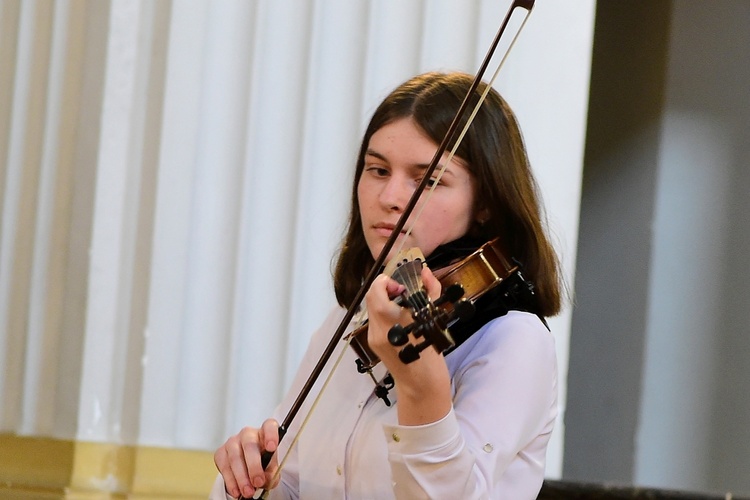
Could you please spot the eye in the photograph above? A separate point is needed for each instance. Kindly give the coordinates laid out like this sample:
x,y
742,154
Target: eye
x,y
376,170
431,182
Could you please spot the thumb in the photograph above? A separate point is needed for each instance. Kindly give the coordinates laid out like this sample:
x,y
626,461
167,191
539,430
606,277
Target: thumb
x,y
431,283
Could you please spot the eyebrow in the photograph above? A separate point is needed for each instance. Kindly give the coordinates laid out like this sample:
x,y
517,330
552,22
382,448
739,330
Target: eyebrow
x,y
377,155
418,166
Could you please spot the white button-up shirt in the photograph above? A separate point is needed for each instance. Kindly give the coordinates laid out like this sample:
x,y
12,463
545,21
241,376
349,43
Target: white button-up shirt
x,y
492,443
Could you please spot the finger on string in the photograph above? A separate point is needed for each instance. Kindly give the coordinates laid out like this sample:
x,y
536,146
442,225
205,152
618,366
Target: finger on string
x,y
418,285
431,284
393,288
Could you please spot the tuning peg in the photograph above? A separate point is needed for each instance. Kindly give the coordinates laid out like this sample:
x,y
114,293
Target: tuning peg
x,y
463,310
411,352
399,335
450,294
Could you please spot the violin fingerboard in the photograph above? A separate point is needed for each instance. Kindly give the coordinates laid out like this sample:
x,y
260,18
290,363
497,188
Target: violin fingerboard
x,y
406,268
409,275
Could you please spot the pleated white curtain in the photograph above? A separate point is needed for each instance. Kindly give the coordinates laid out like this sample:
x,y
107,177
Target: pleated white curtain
x,y
175,180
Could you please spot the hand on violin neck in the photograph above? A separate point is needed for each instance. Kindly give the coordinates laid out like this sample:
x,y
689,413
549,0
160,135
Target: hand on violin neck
x,y
423,386
394,289
431,283
383,312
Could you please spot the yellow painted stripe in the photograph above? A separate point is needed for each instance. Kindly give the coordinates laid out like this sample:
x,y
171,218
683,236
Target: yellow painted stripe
x,y
43,468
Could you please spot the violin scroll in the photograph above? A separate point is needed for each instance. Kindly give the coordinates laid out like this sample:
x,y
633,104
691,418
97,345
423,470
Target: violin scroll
x,y
399,335
431,324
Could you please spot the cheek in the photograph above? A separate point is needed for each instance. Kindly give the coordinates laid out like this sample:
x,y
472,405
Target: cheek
x,y
456,220
446,223
361,196
460,224
359,189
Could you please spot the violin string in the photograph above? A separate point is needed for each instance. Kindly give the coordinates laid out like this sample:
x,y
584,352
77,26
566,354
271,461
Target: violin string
x,y
414,286
421,299
412,281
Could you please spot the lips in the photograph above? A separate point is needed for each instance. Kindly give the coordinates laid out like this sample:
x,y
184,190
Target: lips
x,y
384,228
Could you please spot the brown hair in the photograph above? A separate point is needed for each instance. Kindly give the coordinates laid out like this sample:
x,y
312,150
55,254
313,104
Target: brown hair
x,y
506,190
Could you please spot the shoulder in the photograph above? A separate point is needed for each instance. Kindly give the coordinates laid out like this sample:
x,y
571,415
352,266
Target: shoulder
x,y
516,340
320,337
516,328
507,371
329,324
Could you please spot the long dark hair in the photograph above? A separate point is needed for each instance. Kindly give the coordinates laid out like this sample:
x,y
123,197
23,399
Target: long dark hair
x,y
506,190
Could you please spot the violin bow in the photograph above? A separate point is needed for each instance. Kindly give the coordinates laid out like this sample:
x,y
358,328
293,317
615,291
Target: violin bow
x,y
408,209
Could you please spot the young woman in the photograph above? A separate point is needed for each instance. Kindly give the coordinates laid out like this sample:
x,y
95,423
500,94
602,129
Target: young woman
x,y
473,423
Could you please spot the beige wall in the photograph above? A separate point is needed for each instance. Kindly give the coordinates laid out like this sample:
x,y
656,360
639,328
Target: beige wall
x,y
659,342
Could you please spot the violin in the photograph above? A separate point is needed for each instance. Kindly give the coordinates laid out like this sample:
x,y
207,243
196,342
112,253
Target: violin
x,y
463,283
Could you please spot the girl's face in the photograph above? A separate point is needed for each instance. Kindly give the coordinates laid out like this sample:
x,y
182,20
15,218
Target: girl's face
x,y
395,161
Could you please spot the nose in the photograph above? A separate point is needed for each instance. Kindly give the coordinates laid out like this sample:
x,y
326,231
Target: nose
x,y
396,193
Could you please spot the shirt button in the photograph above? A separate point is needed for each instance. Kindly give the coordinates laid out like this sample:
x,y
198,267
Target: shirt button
x,y
487,448
396,437
338,470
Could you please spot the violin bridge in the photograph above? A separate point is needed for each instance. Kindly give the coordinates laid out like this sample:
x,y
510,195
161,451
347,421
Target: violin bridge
x,y
403,257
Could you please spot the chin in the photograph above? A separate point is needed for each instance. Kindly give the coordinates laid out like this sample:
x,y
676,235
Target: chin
x,y
376,252
379,248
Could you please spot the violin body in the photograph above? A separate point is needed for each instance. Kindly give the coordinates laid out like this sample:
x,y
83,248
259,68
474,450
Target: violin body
x,y
477,274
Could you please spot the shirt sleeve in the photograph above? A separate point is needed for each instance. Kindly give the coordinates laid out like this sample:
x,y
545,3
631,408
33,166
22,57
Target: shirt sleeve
x,y
492,444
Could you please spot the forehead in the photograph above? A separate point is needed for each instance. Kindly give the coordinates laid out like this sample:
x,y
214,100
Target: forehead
x,y
401,130
403,140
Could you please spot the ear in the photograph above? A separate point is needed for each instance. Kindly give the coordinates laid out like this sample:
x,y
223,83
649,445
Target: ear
x,y
482,216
